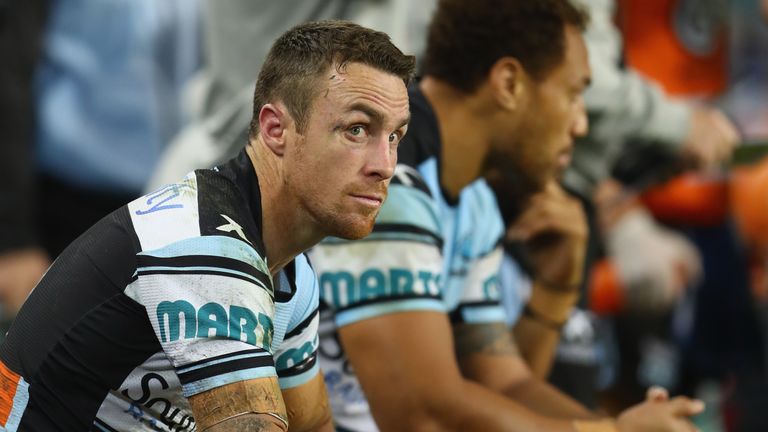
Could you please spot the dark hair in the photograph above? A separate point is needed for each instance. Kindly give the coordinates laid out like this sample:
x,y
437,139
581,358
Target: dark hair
x,y
298,58
467,37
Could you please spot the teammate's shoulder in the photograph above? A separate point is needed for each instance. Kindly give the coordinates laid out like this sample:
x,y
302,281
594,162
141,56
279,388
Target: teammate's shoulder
x,y
408,176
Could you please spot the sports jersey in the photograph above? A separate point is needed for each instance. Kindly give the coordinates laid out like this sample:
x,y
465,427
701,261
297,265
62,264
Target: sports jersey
x,y
167,297
426,253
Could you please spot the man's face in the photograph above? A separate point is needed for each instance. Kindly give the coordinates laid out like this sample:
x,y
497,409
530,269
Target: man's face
x,y
339,168
540,148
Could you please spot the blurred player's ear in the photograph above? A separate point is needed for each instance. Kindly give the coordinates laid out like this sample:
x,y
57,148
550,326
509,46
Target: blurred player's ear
x,y
273,127
506,79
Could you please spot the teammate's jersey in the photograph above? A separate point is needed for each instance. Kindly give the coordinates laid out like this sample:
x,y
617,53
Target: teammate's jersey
x,y
167,297
425,253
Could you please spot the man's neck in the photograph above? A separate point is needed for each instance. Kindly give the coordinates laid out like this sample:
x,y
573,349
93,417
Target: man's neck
x,y
463,132
285,230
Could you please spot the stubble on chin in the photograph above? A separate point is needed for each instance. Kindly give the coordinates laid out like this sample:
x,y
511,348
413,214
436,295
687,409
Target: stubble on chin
x,y
359,223
354,229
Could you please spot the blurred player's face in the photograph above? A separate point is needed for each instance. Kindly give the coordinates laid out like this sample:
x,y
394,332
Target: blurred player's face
x,y
540,148
343,161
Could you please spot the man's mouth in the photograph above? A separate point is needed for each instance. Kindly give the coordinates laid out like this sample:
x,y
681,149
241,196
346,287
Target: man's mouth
x,y
564,158
369,200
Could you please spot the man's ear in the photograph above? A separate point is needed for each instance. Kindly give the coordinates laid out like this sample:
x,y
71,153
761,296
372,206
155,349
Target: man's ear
x,y
507,79
274,122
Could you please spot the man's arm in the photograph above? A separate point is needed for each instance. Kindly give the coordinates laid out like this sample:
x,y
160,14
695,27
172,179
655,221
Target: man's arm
x,y
488,354
253,405
537,331
553,228
307,406
406,365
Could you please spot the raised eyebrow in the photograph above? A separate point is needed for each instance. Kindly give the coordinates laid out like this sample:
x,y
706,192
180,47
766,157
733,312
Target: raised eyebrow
x,y
375,115
369,111
405,122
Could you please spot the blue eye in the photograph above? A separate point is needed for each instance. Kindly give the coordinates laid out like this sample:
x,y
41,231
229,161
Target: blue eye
x,y
357,133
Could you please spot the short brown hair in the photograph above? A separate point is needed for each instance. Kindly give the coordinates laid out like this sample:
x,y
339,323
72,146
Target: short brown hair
x,y
467,37
301,54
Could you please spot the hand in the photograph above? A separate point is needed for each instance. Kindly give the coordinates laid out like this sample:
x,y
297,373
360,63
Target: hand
x,y
656,394
657,414
554,228
20,271
711,138
655,264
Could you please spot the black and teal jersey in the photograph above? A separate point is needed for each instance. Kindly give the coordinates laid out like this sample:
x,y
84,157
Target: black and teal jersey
x,y
425,253
167,297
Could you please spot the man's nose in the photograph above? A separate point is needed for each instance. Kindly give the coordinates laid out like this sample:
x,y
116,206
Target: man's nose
x,y
580,126
381,158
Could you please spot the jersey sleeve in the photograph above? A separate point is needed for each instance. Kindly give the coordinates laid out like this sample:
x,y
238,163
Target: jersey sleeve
x,y
396,268
209,298
296,356
479,301
476,263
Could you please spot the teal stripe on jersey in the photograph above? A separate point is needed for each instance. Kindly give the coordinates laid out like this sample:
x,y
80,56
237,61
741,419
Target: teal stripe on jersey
x,y
359,313
20,400
205,384
386,236
300,379
409,206
223,246
483,314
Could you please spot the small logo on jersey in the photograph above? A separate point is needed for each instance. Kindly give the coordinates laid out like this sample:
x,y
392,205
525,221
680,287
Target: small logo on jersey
x,y
233,226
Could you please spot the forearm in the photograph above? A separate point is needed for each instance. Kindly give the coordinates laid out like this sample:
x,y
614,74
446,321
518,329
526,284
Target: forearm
x,y
256,404
471,407
537,343
307,406
479,409
537,332
405,365
546,400
248,422
488,356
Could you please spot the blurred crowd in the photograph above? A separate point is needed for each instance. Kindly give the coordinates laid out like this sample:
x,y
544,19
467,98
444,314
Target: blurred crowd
x,y
101,101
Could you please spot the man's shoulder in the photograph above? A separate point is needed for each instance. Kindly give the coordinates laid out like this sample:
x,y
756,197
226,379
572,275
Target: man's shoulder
x,y
204,204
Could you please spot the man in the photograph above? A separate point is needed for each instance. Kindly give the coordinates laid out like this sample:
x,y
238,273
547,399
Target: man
x,y
414,304
191,308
